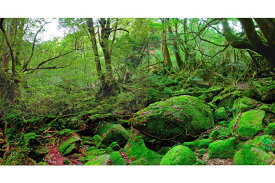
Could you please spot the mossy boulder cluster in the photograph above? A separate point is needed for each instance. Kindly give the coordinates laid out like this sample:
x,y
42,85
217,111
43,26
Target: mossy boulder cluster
x,y
176,118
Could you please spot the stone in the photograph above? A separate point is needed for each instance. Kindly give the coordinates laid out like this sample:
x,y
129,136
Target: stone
x,y
222,148
244,104
220,114
247,124
250,155
176,118
179,155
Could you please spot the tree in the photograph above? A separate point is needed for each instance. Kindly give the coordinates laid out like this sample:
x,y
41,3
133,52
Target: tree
x,y
261,41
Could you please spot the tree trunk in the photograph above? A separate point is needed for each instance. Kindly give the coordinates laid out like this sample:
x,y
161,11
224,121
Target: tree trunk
x,y
164,47
176,49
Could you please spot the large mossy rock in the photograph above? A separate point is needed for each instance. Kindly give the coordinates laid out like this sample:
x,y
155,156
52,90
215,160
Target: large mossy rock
x,y
244,104
115,132
18,156
179,155
136,149
175,119
247,124
69,145
250,155
222,148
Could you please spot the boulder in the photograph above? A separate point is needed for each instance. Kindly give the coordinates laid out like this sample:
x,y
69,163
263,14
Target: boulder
x,y
220,114
136,149
179,155
174,119
270,129
247,124
222,148
264,142
244,104
116,133
250,155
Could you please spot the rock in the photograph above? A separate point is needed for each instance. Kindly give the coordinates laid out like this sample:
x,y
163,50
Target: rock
x,y
250,155
264,108
270,129
100,160
264,90
69,145
272,108
264,142
176,118
117,159
136,149
179,155
222,148
220,114
247,124
226,98
244,104
219,133
116,133
198,144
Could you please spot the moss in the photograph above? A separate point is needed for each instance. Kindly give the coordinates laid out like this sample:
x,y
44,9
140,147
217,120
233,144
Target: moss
x,y
179,155
200,162
250,155
172,118
164,150
270,129
116,133
203,143
117,159
192,145
135,148
220,114
243,104
69,145
272,108
226,98
16,156
219,133
222,148
114,146
247,124
99,160
264,108
264,142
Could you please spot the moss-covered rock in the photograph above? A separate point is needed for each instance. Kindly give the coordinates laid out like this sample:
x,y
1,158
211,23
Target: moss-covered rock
x,y
250,155
219,133
136,149
226,98
264,89
175,118
270,129
179,155
69,145
222,148
220,114
116,133
272,108
264,142
247,124
100,160
117,159
264,108
243,104
197,144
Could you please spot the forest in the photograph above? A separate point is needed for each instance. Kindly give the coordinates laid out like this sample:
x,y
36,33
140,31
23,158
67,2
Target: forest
x,y
137,91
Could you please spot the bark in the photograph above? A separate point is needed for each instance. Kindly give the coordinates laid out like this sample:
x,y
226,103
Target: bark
x,y
252,40
90,24
164,47
175,48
